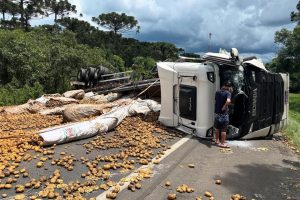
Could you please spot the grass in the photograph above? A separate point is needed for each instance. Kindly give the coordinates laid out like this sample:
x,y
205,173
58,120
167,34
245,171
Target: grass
x,y
292,132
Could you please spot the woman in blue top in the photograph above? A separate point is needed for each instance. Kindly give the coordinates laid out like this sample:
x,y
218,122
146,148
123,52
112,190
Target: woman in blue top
x,y
222,101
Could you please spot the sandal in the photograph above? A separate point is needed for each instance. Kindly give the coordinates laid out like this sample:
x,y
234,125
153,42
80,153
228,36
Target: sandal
x,y
214,142
223,146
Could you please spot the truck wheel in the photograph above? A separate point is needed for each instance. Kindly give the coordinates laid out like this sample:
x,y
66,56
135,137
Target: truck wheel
x,y
81,75
96,75
87,75
91,74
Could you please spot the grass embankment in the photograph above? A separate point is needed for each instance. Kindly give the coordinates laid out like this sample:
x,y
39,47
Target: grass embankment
x,y
293,130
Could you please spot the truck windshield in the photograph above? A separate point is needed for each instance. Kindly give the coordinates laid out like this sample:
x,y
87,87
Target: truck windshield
x,y
233,74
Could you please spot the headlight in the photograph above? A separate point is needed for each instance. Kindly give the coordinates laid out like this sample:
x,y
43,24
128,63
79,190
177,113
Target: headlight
x,y
211,76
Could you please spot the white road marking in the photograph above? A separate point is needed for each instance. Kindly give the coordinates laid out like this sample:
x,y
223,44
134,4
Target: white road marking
x,y
175,146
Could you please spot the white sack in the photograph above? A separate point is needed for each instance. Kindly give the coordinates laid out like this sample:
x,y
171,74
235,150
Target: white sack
x,y
52,111
60,101
99,98
104,123
75,94
113,96
89,94
24,108
35,106
75,113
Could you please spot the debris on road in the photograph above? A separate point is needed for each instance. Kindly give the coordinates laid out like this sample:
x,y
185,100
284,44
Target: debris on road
x,y
171,196
207,194
218,182
138,186
156,162
237,197
225,151
76,113
10,123
191,166
75,94
111,195
262,149
104,123
138,139
168,183
185,188
92,98
20,197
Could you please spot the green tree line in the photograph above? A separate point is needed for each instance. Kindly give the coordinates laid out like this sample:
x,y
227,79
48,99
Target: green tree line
x,y
288,55
36,60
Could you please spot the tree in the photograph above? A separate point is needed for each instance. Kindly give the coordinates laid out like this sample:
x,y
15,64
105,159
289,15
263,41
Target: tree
x,y
32,10
75,25
118,23
50,58
142,67
85,33
14,10
164,50
29,9
118,63
59,8
288,56
295,16
6,6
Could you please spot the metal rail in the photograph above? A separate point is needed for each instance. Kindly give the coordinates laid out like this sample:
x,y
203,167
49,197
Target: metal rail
x,y
132,86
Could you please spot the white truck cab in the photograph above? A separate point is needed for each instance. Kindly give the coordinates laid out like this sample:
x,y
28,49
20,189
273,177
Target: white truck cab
x,y
188,86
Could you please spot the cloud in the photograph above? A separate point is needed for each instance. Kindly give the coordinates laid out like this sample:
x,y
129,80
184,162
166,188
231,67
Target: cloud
x,y
246,25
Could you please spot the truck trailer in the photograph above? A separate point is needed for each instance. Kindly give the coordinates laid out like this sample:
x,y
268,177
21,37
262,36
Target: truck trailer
x,y
259,98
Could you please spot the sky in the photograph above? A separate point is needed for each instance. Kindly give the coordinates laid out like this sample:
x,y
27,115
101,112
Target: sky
x,y
248,25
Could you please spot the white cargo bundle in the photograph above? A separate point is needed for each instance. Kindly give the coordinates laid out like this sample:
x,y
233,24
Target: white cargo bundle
x,y
101,124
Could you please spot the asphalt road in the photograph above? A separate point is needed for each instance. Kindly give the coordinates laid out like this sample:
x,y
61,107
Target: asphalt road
x,y
77,150
257,169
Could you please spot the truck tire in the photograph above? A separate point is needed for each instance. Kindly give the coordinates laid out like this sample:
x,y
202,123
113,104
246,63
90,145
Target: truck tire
x,y
96,75
91,74
102,71
86,76
81,75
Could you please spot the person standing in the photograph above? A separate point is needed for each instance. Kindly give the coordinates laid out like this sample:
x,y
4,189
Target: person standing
x,y
222,101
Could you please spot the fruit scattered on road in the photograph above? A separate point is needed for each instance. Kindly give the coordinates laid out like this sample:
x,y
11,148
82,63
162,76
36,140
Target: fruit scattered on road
x,y
171,196
207,194
191,166
136,141
168,183
218,182
237,197
185,188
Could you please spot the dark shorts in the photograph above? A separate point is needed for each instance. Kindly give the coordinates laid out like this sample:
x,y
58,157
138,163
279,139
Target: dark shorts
x,y
221,122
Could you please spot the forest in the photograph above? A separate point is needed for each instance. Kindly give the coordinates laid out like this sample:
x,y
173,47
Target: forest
x,y
43,59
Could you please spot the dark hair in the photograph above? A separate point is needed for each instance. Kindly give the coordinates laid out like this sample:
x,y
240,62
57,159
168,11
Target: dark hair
x,y
227,83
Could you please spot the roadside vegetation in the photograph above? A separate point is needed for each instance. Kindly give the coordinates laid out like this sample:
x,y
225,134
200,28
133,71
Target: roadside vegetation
x,y
287,59
292,132
36,60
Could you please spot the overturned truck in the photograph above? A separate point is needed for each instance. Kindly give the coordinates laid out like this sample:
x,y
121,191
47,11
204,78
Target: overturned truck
x,y
259,100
